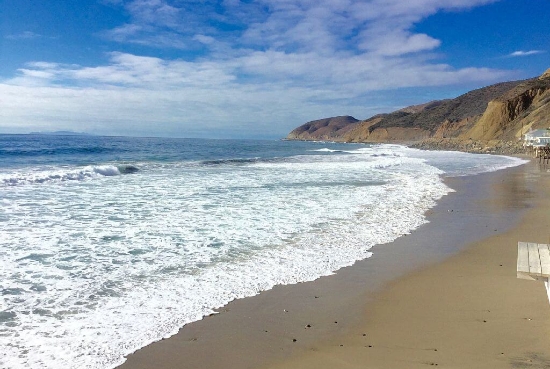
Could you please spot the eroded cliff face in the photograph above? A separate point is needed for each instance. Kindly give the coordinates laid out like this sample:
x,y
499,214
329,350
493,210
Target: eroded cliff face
x,y
514,113
503,112
389,134
454,129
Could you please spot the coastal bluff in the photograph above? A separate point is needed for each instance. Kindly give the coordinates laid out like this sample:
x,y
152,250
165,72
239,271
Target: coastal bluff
x,y
489,119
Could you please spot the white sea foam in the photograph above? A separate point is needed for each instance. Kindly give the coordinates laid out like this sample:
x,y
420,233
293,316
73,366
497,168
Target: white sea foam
x,y
325,149
42,175
93,270
106,170
56,174
463,164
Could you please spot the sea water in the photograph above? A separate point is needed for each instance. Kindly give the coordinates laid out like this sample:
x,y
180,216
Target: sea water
x,y
110,243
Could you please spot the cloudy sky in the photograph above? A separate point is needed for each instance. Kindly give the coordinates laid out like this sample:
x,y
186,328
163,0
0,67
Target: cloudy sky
x,y
251,68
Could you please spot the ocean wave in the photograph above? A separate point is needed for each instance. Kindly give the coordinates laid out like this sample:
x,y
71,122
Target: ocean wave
x,y
325,149
215,162
170,257
63,175
32,152
374,151
241,161
114,269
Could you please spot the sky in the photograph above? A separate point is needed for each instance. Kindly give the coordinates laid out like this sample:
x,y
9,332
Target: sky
x,y
251,68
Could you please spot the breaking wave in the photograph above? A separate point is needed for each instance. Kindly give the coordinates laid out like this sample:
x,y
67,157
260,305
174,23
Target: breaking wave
x,y
65,174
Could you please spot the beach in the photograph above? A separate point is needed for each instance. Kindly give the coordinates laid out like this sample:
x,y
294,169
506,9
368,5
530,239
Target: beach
x,y
445,295
221,238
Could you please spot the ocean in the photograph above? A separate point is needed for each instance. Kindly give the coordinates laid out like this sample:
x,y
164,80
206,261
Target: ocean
x,y
110,243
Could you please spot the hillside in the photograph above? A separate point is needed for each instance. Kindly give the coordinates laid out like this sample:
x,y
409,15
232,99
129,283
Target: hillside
x,y
503,112
328,129
524,107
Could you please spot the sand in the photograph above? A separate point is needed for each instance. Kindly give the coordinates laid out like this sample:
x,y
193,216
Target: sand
x,y
446,295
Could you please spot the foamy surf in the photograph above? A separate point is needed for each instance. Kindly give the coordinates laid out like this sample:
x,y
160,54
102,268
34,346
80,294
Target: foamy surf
x,y
97,267
42,175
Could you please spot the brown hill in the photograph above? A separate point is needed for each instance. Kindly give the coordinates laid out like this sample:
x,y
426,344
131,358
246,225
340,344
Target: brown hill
x,y
421,107
522,108
324,129
504,111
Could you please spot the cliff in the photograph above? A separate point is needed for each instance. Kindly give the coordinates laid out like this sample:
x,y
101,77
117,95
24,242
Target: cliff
x,y
500,112
525,107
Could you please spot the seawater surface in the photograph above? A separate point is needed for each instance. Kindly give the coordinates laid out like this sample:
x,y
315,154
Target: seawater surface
x,y
110,243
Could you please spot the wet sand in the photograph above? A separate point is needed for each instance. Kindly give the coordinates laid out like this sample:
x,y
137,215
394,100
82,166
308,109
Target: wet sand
x,y
445,295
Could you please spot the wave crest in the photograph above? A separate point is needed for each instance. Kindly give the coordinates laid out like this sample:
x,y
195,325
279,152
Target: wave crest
x,y
62,175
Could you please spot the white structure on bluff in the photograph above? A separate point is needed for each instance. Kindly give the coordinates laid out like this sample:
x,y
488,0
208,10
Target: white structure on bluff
x,y
539,137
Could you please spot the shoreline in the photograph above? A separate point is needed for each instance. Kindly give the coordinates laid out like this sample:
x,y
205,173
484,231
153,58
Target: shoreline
x,y
468,311
289,323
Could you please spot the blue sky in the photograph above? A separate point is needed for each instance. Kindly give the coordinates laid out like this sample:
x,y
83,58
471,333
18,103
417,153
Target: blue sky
x,y
251,69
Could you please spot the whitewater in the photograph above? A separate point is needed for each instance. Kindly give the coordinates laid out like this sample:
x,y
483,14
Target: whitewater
x,y
108,244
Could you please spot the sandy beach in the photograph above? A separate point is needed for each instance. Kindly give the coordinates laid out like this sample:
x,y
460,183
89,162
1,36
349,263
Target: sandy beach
x,y
446,295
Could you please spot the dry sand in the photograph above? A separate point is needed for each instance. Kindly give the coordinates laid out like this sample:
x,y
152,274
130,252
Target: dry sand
x,y
456,302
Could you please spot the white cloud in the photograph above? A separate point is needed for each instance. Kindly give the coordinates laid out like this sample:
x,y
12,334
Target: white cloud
x,y
154,12
525,53
122,33
397,42
261,92
27,35
289,25
267,66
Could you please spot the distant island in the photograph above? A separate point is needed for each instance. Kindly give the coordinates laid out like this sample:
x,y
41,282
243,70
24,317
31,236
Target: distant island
x,y
61,133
